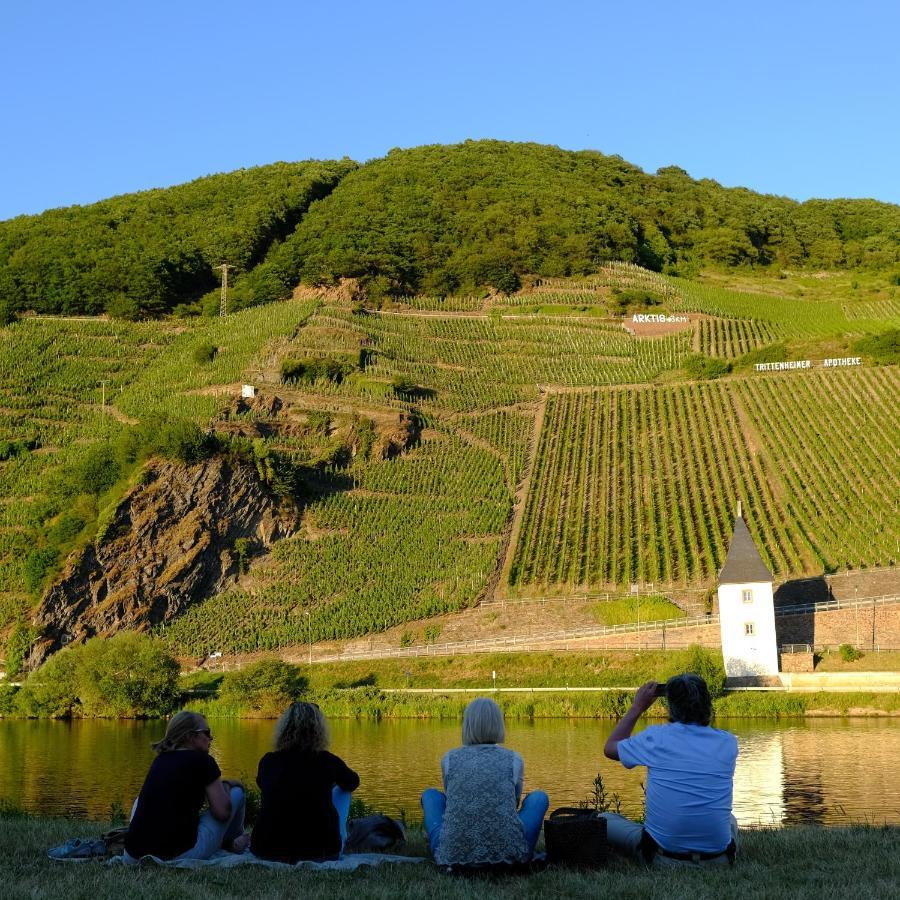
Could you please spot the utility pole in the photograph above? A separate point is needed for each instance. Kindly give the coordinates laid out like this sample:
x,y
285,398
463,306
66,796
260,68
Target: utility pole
x,y
223,302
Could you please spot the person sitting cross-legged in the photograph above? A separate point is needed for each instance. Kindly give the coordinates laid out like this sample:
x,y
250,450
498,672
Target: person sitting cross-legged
x,y
165,819
305,791
476,821
690,779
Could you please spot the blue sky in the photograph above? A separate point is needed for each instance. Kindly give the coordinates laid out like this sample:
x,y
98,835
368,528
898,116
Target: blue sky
x,y
100,98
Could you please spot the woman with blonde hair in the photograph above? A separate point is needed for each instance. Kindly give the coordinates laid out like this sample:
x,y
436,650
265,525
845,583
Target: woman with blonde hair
x,y
165,819
476,820
305,791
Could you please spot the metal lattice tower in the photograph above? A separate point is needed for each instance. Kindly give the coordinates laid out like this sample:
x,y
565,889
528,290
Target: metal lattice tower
x,y
223,302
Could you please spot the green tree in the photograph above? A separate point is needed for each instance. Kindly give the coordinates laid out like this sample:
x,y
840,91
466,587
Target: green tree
x,y
127,675
265,687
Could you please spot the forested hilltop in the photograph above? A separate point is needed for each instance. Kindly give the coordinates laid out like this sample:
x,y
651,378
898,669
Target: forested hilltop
x,y
437,220
141,255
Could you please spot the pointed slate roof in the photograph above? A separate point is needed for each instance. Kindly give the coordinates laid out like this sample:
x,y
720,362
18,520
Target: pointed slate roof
x,y
743,564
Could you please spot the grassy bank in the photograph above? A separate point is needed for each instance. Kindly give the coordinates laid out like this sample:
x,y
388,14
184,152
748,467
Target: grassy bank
x,y
597,669
371,703
794,863
379,689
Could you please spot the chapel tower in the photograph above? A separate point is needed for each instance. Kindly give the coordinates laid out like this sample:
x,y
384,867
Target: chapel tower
x,y
746,608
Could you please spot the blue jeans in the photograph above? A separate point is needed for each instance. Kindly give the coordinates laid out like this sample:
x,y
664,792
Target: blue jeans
x,y
341,800
531,815
211,833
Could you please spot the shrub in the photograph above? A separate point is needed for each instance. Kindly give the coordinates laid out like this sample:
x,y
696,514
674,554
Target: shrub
x,y
403,386
708,665
634,298
97,472
699,366
769,353
38,564
205,353
267,686
51,691
19,642
407,639
332,368
128,675
181,440
883,349
849,653
8,698
9,449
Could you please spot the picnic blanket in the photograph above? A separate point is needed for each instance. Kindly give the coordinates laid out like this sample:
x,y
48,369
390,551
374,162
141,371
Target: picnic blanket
x,y
224,860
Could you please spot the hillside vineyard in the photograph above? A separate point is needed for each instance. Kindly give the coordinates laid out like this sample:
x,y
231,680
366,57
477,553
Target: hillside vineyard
x,y
554,451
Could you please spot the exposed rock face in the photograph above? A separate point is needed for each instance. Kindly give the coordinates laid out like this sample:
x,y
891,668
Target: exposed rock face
x,y
170,543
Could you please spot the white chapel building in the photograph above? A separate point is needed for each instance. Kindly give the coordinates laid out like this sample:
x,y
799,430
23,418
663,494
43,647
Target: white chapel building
x,y
746,608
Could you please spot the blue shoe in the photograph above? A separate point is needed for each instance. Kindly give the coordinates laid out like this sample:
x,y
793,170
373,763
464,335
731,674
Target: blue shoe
x,y
79,849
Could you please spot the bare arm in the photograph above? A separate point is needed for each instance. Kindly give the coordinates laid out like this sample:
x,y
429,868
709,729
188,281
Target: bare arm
x,y
219,797
643,700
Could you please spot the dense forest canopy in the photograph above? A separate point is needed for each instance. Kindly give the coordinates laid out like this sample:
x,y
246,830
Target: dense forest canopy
x,y
434,219
141,254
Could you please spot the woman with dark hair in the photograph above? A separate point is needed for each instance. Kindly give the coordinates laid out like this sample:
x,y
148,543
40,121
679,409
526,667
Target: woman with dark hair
x,y
305,791
690,778
165,819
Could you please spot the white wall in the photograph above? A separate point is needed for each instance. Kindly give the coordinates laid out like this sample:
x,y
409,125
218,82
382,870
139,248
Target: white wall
x,y
743,654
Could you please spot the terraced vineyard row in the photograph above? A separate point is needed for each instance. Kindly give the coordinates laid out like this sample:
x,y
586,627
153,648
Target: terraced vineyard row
x,y
507,431
882,310
833,439
640,485
472,364
789,317
418,535
730,338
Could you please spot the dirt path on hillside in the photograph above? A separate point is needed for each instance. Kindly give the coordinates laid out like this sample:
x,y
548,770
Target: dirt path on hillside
x,y
521,495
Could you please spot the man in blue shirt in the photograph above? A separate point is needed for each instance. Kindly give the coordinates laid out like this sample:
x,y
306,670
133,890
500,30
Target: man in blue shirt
x,y
690,777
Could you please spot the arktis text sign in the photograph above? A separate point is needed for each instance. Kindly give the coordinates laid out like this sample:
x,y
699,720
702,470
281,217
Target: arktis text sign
x,y
808,364
657,317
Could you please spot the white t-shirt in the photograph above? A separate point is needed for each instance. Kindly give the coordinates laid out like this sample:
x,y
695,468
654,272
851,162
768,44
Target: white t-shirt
x,y
690,777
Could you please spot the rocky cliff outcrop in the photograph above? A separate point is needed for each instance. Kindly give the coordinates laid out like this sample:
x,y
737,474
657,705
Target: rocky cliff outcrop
x,y
170,543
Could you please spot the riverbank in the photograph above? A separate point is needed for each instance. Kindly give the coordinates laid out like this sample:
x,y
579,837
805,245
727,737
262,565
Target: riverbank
x,y
376,705
73,684
779,864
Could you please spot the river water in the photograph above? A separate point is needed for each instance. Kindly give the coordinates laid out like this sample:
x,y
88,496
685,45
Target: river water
x,y
790,771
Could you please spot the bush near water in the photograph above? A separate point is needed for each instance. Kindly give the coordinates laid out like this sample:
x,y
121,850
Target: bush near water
x,y
130,675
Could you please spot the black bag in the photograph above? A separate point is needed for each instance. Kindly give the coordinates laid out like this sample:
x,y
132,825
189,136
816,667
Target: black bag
x,y
576,837
375,832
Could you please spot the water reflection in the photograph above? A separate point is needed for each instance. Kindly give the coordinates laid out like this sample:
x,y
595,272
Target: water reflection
x,y
801,771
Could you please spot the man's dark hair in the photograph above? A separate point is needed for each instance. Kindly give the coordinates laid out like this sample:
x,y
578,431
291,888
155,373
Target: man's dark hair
x,y
688,699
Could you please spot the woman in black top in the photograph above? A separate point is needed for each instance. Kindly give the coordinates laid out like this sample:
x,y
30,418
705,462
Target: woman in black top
x,y
166,820
305,791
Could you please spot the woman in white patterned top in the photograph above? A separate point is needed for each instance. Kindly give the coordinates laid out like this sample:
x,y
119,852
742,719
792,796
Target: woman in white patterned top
x,y
476,820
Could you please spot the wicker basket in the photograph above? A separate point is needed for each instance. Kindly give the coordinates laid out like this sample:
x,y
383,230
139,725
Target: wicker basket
x,y
576,837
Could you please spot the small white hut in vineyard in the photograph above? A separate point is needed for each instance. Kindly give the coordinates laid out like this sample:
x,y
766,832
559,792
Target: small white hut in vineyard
x,y
746,608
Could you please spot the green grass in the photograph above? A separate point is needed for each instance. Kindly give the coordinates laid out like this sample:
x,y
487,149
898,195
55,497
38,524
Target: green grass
x,y
886,661
790,864
643,609
602,669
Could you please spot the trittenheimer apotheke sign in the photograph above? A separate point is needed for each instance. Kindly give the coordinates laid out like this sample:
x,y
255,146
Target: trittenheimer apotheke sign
x,y
808,364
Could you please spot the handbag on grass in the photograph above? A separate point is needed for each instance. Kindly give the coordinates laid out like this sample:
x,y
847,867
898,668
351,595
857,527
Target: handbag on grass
x,y
576,837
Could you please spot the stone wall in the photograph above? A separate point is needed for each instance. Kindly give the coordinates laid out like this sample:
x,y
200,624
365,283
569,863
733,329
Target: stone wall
x,y
865,627
820,629
796,662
